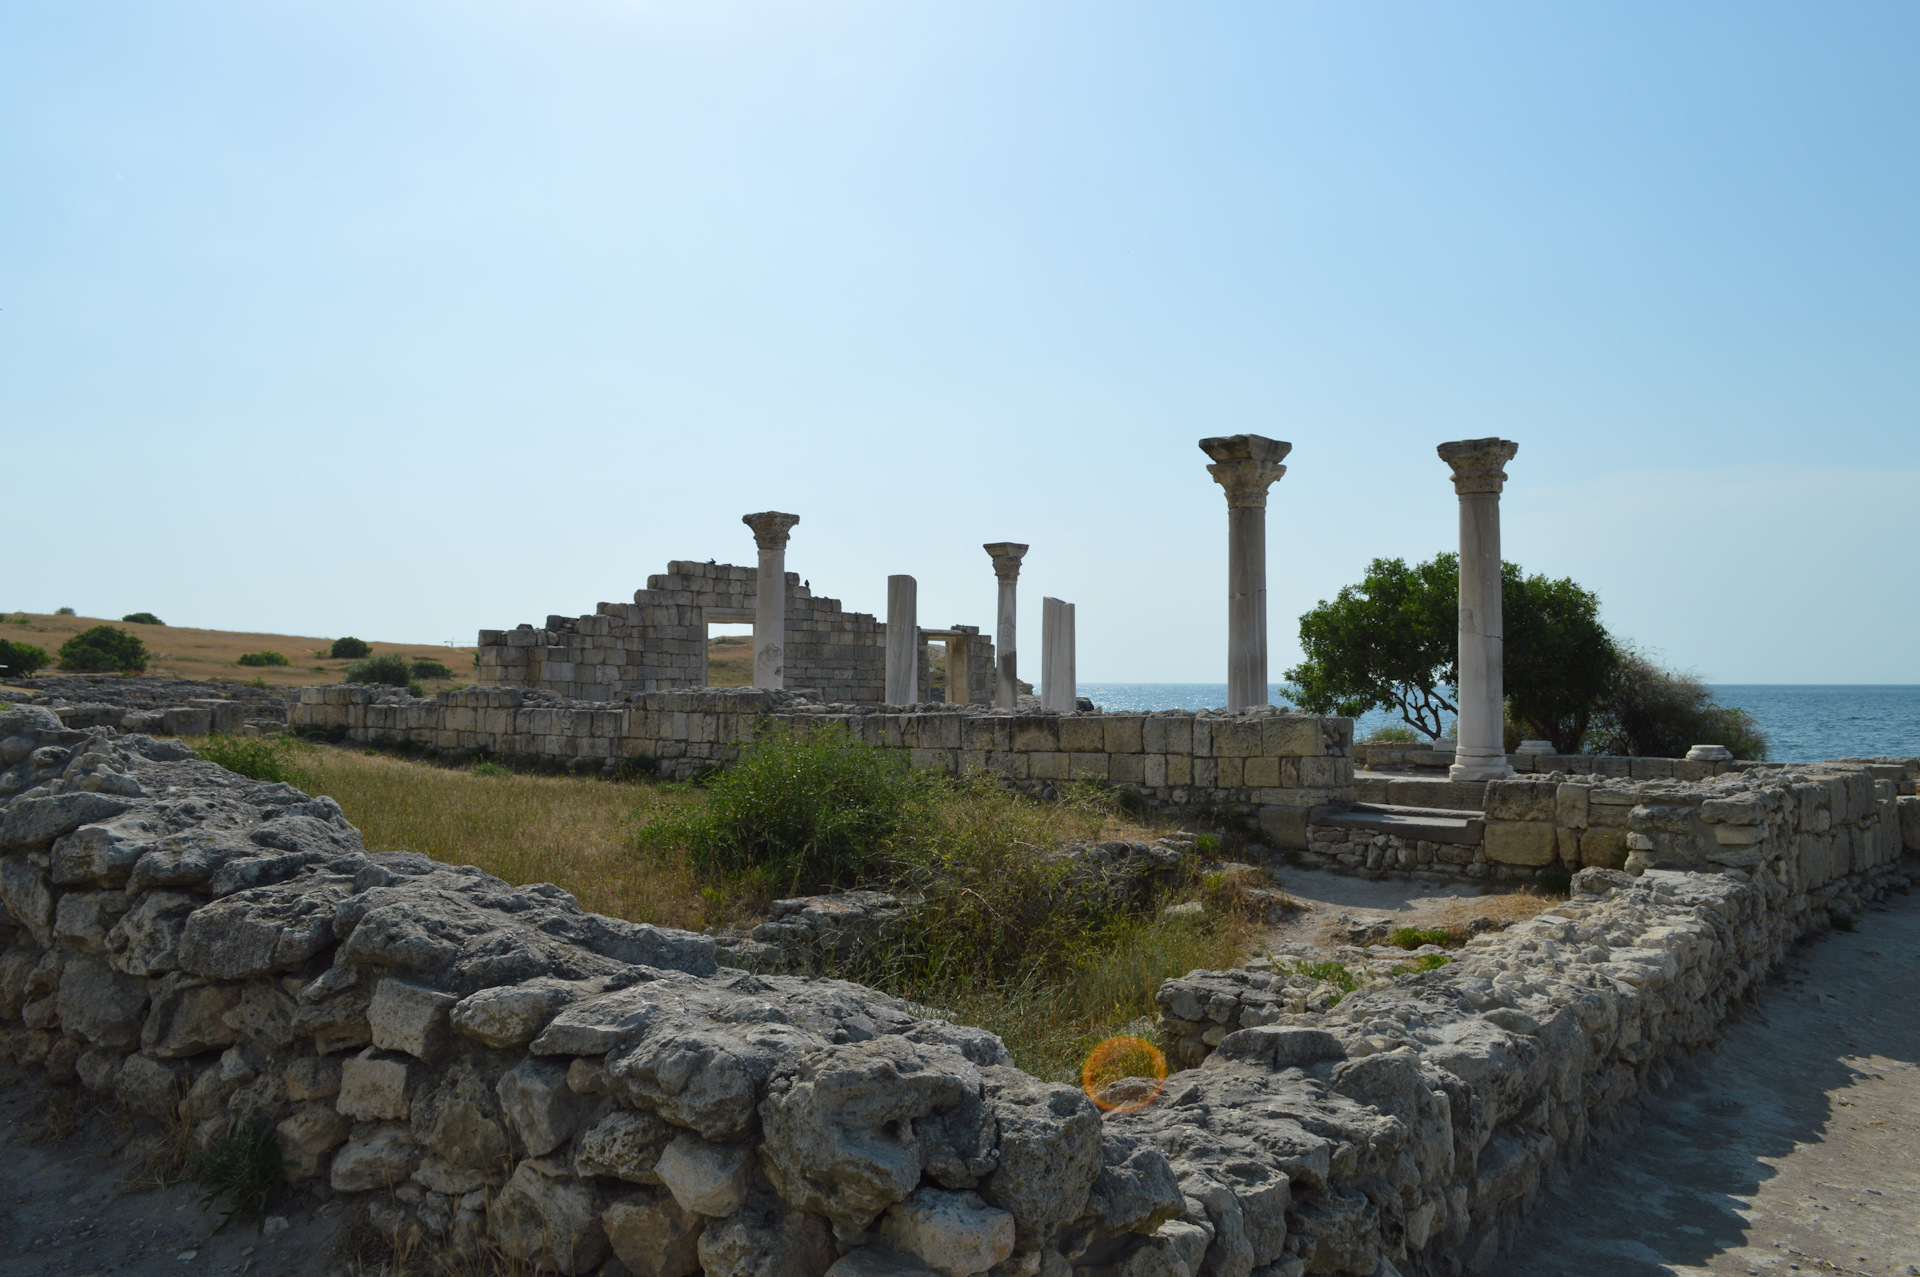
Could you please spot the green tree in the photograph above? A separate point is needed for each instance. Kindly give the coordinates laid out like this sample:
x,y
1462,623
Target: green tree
x,y
103,650
1392,642
1653,712
17,660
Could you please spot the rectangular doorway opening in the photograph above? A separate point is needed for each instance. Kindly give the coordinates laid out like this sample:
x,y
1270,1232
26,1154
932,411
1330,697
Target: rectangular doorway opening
x,y
729,654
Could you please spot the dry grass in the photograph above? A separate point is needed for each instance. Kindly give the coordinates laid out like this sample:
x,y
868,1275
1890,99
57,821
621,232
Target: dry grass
x,y
580,835
179,651
574,832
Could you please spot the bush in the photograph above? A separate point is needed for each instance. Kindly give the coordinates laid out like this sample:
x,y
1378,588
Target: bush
x,y
241,1169
262,658
389,669
103,650
427,667
799,812
1392,734
349,649
64,611
142,618
1659,713
268,758
17,660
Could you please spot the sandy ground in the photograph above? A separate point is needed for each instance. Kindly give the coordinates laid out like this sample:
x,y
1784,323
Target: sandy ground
x,y
1794,1147
62,1215
1341,903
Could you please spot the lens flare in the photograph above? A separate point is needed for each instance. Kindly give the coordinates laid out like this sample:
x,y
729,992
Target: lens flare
x,y
1123,1074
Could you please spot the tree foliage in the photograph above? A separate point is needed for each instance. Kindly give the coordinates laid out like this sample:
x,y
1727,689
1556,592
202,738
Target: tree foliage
x,y
17,660
103,650
1392,642
1661,713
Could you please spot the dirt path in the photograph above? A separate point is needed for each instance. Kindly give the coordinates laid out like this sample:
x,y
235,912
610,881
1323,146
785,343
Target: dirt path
x,y
1793,1147
61,1214
1341,904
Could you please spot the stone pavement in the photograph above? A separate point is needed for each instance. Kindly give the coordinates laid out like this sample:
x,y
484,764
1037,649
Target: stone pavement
x,y
1793,1147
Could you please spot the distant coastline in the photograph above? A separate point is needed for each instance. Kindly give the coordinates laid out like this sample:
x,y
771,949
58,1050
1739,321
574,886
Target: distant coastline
x,y
1805,722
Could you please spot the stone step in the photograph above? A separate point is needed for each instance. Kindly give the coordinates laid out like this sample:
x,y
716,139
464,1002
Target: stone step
x,y
1426,824
1391,790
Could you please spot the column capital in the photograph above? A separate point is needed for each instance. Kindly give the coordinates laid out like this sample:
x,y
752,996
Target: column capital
x,y
1246,466
1006,558
1477,464
770,528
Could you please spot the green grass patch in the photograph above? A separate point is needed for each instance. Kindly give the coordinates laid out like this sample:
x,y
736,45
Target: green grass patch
x,y
268,758
240,1170
1414,937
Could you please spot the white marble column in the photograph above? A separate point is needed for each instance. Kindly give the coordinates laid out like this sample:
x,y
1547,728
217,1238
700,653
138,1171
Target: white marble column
x,y
1006,566
770,529
1246,466
1478,477
1059,681
903,641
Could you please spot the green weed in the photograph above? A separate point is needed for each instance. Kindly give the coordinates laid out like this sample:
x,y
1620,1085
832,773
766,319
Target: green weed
x,y
241,1169
267,758
1414,937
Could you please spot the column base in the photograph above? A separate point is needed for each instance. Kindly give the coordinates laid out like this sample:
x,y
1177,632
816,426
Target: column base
x,y
1478,769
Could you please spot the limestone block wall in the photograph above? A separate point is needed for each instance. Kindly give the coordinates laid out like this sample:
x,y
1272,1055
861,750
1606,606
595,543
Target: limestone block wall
x,y
1265,768
1843,814
659,642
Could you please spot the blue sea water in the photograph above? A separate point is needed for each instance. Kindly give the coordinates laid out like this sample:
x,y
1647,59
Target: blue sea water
x,y
1804,722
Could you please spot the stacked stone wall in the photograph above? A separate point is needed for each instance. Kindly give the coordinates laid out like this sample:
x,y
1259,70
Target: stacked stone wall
x,y
1264,768
659,642
1843,814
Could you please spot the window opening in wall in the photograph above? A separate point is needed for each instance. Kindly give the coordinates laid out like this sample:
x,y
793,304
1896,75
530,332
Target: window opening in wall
x,y
729,654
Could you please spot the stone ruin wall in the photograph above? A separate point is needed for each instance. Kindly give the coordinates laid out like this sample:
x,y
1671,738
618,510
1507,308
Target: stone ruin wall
x,y
1668,814
1266,768
659,643
474,1062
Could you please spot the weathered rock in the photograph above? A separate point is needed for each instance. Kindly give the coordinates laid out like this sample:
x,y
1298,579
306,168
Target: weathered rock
x,y
308,1137
188,1017
549,1218
259,932
100,1004
876,1260
539,1108
952,1233
376,1157
311,1078
152,1086
263,1016
373,1088
510,1016
146,939
104,854
766,1238
1049,1153
625,1144
863,1121
653,1236
24,890
82,919
406,1017
706,1179
33,823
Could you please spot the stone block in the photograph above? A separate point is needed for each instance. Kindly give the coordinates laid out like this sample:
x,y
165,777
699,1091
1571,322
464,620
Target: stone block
x,y
1123,734
1083,735
372,1088
550,1219
1570,806
188,1017
1237,737
1604,847
100,1004
308,1136
1291,737
312,1078
1128,769
953,1233
378,1157
1086,766
1179,770
1229,772
1262,773
1047,766
653,1236
706,1178
1520,842
406,1017
1520,800
1284,828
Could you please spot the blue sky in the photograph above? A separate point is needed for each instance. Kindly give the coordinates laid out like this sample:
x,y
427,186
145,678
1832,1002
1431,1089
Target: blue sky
x,y
406,319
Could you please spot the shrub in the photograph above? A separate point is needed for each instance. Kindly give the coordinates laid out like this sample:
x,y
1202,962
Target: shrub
x,y
103,650
799,812
1659,713
1414,937
262,658
490,769
1391,734
142,618
268,758
389,669
427,667
241,1169
17,660
64,611
349,649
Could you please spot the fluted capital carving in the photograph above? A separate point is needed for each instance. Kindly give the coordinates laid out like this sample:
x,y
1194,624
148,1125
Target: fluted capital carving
x,y
770,528
1477,464
1006,558
1246,466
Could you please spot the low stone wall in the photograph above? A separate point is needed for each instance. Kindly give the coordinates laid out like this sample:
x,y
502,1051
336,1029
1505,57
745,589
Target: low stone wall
x,y
1837,817
1265,768
175,707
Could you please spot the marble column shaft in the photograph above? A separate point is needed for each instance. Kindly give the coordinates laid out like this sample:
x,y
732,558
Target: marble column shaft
x,y
1246,466
770,530
903,641
1478,477
1006,566
1059,681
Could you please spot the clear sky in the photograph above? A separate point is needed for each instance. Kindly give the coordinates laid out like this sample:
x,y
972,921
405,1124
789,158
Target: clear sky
x,y
406,319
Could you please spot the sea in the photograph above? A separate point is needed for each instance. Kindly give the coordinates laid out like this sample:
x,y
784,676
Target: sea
x,y
1804,722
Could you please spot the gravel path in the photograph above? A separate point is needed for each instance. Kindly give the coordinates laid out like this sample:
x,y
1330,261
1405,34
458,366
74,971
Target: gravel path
x,y
1794,1147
